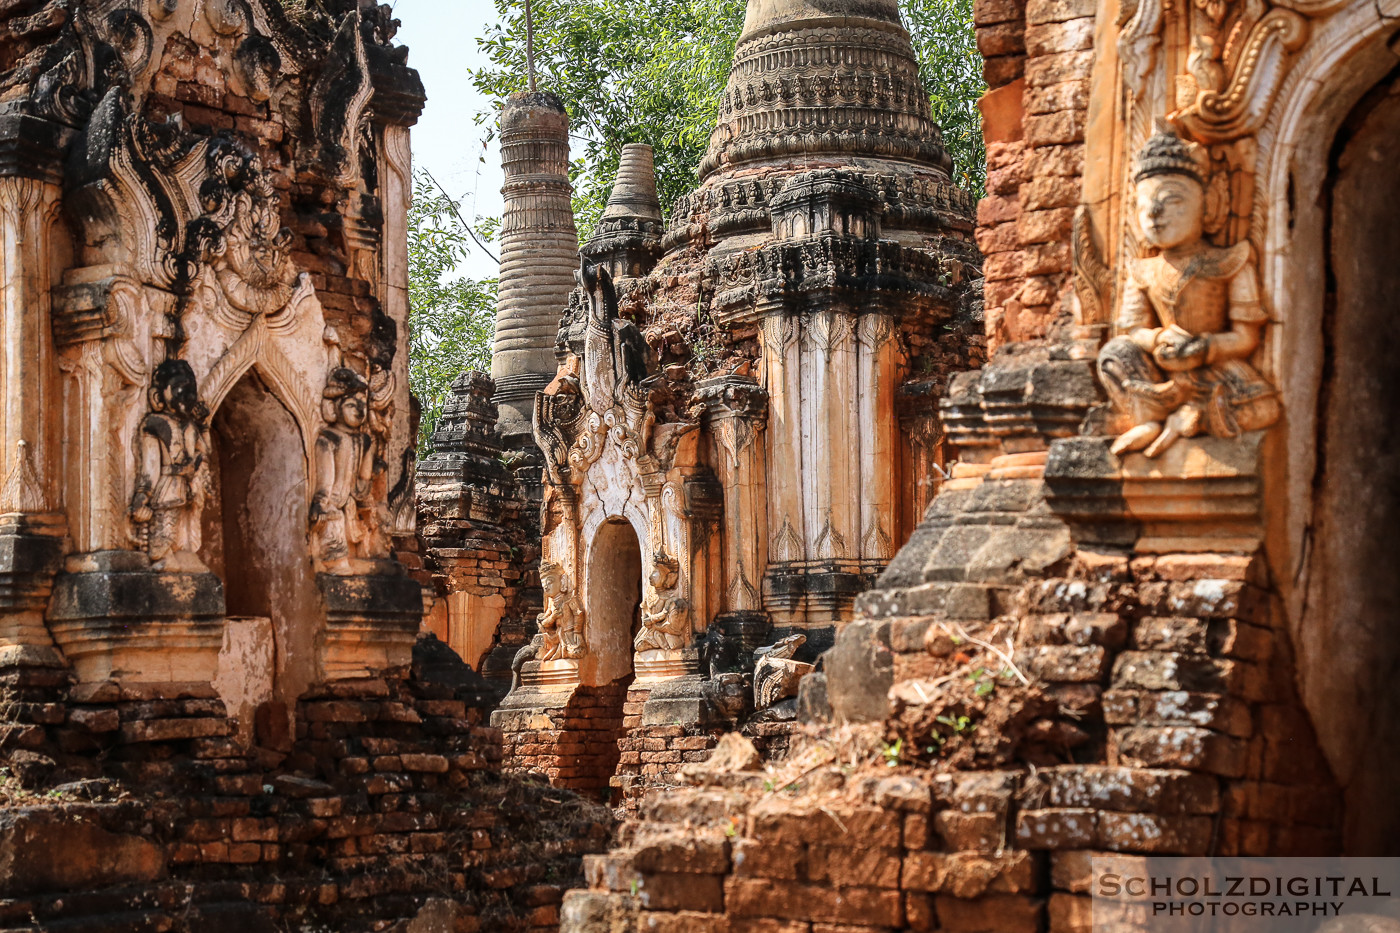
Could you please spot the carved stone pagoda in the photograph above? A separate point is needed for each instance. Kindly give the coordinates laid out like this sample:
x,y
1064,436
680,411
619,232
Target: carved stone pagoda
x,y
729,454
206,431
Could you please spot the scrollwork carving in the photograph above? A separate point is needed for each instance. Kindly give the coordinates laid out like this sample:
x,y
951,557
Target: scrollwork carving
x,y
1226,110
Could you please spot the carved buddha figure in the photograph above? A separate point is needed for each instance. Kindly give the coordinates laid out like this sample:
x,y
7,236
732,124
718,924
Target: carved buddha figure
x,y
561,623
169,491
665,615
1189,320
344,471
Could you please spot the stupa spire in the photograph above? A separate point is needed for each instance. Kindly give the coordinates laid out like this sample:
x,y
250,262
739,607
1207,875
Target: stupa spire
x,y
539,249
824,78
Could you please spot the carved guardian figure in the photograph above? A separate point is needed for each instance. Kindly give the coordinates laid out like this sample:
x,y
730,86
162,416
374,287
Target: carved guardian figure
x,y
665,614
170,469
1189,320
561,623
344,470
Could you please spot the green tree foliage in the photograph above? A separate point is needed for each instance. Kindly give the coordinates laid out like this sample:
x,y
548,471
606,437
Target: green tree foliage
x,y
451,317
653,70
629,71
951,68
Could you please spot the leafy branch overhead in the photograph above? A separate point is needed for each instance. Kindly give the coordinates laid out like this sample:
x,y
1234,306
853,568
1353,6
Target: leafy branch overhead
x,y
653,72
452,317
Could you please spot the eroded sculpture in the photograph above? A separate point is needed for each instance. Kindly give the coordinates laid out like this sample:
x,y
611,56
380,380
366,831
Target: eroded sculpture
x,y
1189,320
168,498
342,514
777,674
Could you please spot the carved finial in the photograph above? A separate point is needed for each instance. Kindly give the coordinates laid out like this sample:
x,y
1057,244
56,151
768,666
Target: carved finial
x,y
666,561
22,492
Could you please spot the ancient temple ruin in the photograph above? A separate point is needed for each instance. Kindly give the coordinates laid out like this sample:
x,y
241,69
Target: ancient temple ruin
x,y
825,552
730,453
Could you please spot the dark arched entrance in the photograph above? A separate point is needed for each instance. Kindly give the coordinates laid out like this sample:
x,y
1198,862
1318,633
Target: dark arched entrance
x,y
613,595
255,527
1351,620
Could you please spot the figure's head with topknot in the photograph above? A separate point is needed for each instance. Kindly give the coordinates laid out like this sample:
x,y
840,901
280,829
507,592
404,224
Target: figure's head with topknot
x,y
1170,190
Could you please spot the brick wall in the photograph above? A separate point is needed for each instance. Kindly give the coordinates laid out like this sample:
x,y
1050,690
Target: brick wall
x,y
1038,58
379,803
572,742
652,757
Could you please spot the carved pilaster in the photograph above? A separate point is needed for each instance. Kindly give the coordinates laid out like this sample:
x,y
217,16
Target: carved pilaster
x,y
31,530
737,408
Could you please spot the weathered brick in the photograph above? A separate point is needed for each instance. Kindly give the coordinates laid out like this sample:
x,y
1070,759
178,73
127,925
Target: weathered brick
x,y
1156,835
1067,36
1186,747
1057,828
969,874
992,914
755,897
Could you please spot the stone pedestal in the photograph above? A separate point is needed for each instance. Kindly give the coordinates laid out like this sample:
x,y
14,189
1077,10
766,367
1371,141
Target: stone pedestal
x,y
680,701
1201,494
657,664
371,623
117,619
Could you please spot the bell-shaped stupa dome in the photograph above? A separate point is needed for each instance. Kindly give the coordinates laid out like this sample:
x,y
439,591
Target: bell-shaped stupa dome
x,y
823,78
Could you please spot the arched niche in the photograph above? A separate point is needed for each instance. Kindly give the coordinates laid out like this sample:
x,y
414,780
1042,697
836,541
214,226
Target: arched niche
x,y
255,526
1350,607
1328,186
612,601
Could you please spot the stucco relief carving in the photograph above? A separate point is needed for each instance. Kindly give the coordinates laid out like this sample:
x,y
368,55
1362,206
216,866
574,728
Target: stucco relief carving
x,y
1220,103
1189,319
345,515
171,474
238,246
665,613
561,622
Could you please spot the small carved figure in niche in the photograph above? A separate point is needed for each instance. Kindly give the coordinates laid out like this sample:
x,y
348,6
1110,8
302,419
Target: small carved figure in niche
x,y
170,458
665,614
344,471
1189,319
561,623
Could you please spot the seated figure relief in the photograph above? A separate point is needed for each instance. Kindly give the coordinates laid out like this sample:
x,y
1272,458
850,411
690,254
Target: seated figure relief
x,y
1189,320
561,623
665,614
170,470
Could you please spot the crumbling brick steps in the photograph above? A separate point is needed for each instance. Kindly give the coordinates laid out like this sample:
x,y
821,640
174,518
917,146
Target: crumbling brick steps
x,y
1172,729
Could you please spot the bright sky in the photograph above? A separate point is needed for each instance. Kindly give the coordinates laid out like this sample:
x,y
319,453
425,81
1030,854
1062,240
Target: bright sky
x,y
441,38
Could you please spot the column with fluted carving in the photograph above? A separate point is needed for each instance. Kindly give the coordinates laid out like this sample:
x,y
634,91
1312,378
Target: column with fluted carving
x,y
737,408
31,527
539,252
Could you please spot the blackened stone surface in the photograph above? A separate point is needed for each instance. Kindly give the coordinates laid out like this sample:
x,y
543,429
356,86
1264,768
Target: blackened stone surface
x,y
435,663
136,594
377,596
